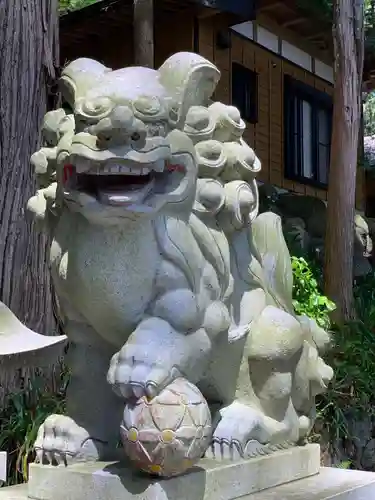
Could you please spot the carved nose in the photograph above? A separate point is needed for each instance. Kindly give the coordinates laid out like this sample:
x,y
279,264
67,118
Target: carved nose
x,y
115,128
122,117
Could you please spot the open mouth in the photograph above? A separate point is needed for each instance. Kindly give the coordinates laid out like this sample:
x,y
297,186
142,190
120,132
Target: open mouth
x,y
113,183
121,184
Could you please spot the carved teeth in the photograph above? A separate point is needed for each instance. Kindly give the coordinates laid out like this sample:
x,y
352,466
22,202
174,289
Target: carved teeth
x,y
86,166
94,170
127,170
114,168
134,170
83,165
158,166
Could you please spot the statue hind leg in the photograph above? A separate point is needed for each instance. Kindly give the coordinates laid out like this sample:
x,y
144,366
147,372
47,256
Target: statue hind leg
x,y
243,431
253,372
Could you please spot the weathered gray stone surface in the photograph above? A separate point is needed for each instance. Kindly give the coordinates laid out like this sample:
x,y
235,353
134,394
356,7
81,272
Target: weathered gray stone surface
x,y
208,481
3,467
20,346
329,484
14,493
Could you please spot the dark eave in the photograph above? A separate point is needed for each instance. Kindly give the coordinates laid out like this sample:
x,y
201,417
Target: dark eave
x,y
88,30
246,9
314,31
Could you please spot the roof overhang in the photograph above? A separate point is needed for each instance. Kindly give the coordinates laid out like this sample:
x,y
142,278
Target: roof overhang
x,y
244,8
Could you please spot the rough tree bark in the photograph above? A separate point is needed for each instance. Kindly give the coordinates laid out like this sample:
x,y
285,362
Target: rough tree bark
x,y
348,36
143,32
29,58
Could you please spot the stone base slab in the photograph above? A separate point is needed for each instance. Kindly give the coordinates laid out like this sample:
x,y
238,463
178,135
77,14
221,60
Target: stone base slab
x,y
329,484
210,480
3,467
14,492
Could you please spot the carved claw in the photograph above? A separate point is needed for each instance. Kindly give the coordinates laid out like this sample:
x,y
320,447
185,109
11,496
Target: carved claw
x,y
155,355
130,377
60,441
243,432
224,449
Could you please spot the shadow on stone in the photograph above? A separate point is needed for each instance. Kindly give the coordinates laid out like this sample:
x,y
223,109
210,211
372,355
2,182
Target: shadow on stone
x,y
137,483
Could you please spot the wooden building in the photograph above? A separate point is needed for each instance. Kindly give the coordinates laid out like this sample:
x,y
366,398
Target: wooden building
x,y
277,68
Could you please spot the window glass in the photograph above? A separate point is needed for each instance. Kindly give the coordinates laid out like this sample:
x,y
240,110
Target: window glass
x,y
307,132
245,92
324,127
323,163
307,145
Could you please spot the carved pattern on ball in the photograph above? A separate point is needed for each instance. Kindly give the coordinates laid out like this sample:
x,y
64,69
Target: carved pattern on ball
x,y
170,433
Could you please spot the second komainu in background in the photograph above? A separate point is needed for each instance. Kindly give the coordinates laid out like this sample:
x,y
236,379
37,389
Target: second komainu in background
x,y
176,296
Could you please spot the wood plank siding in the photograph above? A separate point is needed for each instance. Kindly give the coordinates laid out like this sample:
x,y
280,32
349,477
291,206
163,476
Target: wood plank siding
x,y
267,135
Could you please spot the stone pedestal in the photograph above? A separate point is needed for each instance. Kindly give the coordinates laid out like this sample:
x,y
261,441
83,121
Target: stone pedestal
x,y
3,467
329,484
14,493
288,475
208,481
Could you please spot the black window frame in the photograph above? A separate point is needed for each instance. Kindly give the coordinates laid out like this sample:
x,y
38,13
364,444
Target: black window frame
x,y
294,89
245,82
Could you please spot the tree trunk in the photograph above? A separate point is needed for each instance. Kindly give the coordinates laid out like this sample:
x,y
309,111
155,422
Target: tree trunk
x,y
29,57
348,49
143,32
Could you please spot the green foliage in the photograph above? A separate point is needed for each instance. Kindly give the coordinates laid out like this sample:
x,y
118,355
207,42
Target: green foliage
x,y
352,353
69,5
369,114
307,297
351,395
20,419
319,8
352,391
323,9
346,464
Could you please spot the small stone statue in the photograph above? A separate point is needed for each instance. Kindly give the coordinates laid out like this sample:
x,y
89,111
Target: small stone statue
x,y
304,225
168,280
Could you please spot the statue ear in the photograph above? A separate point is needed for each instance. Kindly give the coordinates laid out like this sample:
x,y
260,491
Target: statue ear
x,y
78,76
190,80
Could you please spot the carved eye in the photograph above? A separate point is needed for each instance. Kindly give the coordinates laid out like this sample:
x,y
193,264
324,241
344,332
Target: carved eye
x,y
147,105
135,136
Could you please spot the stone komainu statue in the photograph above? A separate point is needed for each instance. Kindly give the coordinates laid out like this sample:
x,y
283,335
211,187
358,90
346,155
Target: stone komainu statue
x,y
163,267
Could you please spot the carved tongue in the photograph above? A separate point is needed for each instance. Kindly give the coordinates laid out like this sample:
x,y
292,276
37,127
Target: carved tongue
x,y
128,194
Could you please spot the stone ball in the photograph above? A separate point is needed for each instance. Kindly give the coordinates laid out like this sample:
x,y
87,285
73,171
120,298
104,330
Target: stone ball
x,y
167,435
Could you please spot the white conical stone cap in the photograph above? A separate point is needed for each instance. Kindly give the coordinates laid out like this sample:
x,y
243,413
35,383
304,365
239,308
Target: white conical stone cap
x,y
16,338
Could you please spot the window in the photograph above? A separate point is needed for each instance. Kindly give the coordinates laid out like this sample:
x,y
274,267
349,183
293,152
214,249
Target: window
x,y
308,125
245,92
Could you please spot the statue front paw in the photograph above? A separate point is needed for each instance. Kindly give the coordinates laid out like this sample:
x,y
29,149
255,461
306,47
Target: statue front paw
x,y
155,355
61,441
131,376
